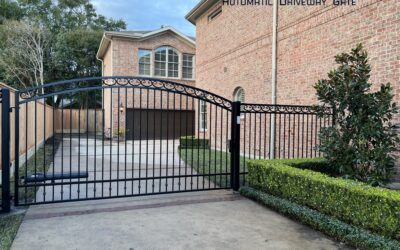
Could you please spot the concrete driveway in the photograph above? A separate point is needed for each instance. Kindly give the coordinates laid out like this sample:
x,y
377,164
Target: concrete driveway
x,y
201,220
112,166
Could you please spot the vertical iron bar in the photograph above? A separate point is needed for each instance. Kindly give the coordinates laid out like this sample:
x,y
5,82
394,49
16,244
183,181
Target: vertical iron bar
x,y
161,116
16,151
44,146
87,142
215,146
35,157
5,152
26,149
70,144
147,138
259,143
102,141
118,133
166,171
154,137
95,144
226,148
191,155
180,135
198,142
235,140
140,139
79,142
209,149
173,144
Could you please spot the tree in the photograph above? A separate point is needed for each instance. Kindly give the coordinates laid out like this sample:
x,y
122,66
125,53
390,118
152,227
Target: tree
x,y
23,58
9,10
59,19
70,46
361,141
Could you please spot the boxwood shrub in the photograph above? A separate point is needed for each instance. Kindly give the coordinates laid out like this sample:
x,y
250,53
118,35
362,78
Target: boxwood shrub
x,y
191,142
337,229
372,208
315,164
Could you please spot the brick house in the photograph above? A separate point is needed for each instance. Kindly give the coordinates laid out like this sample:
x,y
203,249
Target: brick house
x,y
166,54
234,47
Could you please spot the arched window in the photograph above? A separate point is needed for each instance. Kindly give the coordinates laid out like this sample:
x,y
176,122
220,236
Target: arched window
x,y
166,62
238,95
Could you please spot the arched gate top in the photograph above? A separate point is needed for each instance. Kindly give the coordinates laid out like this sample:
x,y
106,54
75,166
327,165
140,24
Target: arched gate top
x,y
86,84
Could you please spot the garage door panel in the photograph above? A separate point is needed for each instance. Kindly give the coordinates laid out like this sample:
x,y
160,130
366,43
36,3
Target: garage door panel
x,y
159,124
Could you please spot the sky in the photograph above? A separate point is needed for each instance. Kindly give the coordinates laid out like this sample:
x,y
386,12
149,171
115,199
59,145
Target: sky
x,y
149,14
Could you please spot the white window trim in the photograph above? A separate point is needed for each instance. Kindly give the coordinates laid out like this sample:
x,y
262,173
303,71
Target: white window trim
x,y
180,65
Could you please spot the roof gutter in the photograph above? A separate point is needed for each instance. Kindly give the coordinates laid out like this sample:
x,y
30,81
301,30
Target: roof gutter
x,y
199,10
99,52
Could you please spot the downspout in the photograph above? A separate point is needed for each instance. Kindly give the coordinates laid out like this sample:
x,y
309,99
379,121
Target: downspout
x,y
102,74
274,74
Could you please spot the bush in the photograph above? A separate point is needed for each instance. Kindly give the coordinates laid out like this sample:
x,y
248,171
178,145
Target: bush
x,y
190,142
362,140
332,227
315,164
371,208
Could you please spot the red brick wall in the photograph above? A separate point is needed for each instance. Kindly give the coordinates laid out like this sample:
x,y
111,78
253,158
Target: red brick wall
x,y
121,59
234,49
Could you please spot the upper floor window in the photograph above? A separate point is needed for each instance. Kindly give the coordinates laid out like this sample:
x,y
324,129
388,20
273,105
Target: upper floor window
x,y
144,62
187,67
166,62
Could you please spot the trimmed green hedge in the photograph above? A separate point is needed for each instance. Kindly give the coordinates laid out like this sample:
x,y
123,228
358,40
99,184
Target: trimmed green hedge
x,y
372,208
315,164
192,142
332,227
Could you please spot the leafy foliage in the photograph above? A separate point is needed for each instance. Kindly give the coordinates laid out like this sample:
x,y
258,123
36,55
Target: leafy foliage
x,y
372,208
193,142
335,228
74,29
361,142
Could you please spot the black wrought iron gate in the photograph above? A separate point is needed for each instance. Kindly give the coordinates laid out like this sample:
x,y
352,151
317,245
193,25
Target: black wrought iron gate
x,y
108,137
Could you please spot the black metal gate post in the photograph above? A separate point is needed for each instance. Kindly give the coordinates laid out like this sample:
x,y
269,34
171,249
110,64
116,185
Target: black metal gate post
x,y
5,146
235,146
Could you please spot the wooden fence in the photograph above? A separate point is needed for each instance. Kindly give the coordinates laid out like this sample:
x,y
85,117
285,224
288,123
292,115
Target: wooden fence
x,y
34,128
79,121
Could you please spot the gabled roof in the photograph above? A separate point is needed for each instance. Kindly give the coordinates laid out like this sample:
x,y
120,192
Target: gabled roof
x,y
199,10
140,36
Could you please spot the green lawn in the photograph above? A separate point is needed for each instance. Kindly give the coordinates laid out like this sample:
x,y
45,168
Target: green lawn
x,y
209,161
9,225
39,162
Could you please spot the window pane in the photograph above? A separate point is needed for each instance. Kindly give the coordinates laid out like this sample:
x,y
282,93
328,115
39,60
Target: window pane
x,y
144,62
187,66
160,54
203,115
159,69
187,73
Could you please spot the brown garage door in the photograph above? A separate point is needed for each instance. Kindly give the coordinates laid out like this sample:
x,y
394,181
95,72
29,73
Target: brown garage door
x,y
142,124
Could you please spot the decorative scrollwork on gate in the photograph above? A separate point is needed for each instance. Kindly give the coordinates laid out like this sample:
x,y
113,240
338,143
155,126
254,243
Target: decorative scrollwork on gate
x,y
134,82
284,109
